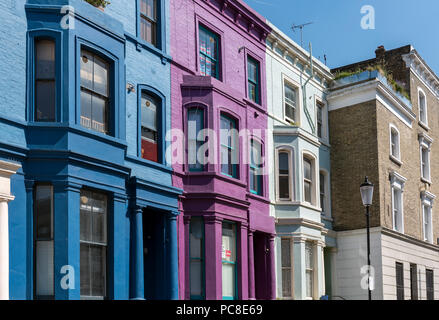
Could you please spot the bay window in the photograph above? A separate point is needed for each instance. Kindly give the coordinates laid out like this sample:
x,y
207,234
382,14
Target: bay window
x,y
284,176
308,180
94,92
93,245
196,258
43,242
195,118
287,269
228,258
45,80
309,269
229,146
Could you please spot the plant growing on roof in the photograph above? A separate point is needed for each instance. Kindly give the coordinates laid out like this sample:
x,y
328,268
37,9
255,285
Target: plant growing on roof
x,y
98,3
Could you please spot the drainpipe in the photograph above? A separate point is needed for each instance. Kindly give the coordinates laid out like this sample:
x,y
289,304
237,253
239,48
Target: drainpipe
x,y
311,122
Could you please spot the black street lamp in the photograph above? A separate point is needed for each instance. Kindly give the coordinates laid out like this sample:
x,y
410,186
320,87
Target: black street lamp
x,y
366,190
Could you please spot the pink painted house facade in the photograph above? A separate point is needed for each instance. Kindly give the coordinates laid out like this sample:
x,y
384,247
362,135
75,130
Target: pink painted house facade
x,y
225,231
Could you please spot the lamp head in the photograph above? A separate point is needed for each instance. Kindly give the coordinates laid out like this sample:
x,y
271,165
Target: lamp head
x,y
366,190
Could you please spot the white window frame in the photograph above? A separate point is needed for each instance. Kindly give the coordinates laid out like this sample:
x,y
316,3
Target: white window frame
x,y
425,144
427,200
318,100
291,240
397,183
313,270
327,212
296,86
314,181
290,151
423,122
396,158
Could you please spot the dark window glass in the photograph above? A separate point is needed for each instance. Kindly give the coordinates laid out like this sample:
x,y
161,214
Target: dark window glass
x,y
45,80
399,281
229,147
195,118
286,268
414,281
148,21
253,79
94,92
93,242
196,245
430,284
322,192
319,120
256,168
284,176
208,53
307,180
150,108
43,221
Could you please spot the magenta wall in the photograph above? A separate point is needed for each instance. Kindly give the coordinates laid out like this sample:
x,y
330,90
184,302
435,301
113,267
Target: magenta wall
x,y
217,197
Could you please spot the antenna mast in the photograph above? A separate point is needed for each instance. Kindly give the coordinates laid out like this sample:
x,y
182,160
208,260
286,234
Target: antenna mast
x,y
300,27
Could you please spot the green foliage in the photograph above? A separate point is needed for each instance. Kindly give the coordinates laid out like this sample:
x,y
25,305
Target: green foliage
x,y
98,3
395,85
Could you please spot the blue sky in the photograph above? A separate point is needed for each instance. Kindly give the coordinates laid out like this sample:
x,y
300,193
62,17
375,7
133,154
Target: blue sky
x,y
337,32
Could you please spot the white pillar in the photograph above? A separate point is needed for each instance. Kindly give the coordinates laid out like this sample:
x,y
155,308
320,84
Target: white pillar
x,y
6,170
4,251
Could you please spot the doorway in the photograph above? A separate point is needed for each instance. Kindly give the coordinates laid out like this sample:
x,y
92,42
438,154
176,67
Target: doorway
x,y
262,266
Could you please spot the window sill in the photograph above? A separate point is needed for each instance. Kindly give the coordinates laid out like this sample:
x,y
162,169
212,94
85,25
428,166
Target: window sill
x,y
424,125
149,163
255,105
395,160
140,43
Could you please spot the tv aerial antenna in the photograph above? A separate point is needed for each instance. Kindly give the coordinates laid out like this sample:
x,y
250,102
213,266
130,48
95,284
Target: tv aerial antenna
x,y
300,27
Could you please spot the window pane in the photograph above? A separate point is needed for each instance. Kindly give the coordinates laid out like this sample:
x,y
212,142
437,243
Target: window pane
x,y
252,66
45,60
100,76
148,8
309,283
86,70
196,278
85,109
147,31
149,112
196,238
43,212
309,256
229,242
284,163
290,94
85,270
286,283
44,268
45,100
307,188
307,169
284,187
195,139
228,286
286,253
98,270
99,114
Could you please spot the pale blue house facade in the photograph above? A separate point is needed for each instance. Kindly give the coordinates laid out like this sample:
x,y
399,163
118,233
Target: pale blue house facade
x,y
86,196
300,177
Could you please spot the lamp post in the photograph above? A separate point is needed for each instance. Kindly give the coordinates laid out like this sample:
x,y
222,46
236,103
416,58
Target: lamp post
x,y
366,190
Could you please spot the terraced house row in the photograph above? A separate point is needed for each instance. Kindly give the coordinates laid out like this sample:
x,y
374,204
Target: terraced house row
x,y
189,149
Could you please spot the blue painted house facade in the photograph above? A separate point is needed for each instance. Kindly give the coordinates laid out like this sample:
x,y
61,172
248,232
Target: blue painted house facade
x,y
91,211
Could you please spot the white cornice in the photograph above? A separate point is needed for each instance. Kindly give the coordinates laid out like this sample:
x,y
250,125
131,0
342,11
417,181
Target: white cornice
x,y
365,91
297,53
422,71
296,131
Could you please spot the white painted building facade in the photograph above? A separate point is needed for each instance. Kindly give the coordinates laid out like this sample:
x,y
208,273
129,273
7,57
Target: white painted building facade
x,y
300,169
